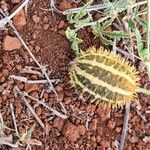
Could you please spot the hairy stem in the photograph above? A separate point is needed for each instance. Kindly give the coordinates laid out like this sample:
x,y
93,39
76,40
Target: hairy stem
x,y
144,91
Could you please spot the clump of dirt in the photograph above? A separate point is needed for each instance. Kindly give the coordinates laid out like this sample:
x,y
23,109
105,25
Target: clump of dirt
x,y
88,126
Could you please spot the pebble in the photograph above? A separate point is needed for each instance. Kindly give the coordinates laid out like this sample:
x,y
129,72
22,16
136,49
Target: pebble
x,y
64,5
61,24
71,132
15,1
30,87
105,144
37,48
82,129
11,43
133,140
46,26
118,129
36,19
19,19
103,112
38,111
58,123
5,72
93,124
111,124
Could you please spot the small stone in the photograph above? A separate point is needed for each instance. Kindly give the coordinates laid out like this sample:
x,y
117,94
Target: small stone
x,y
30,87
37,48
21,129
118,129
93,138
11,43
46,26
38,111
97,16
111,124
19,19
61,24
103,112
61,32
15,1
34,35
133,140
18,67
58,123
64,5
18,109
36,19
105,144
82,129
2,79
70,131
35,94
5,72
98,139
45,19
93,124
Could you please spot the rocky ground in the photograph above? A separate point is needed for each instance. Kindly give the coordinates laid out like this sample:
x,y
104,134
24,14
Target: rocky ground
x,y
87,126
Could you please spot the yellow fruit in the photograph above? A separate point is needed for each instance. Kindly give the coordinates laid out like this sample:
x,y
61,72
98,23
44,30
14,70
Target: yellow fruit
x,y
104,77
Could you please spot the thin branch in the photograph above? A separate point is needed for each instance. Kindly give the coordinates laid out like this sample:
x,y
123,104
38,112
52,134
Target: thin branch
x,y
24,79
55,112
148,31
14,119
125,126
29,107
63,108
144,91
43,69
7,19
139,113
90,8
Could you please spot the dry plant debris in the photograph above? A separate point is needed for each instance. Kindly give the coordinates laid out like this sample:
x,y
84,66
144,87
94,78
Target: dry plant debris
x,y
54,116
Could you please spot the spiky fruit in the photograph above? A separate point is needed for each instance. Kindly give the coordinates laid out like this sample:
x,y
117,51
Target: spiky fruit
x,y
104,77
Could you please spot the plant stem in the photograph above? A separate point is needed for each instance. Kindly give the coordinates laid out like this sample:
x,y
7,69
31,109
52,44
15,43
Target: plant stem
x,y
91,8
148,31
144,91
125,126
139,4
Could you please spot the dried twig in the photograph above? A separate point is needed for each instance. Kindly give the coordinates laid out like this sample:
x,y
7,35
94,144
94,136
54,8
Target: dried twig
x,y
55,112
125,126
14,119
43,69
89,9
29,106
88,119
24,79
63,108
7,19
139,113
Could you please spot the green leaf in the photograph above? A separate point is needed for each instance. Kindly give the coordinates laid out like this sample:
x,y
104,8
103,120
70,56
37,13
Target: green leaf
x,y
75,41
3,127
107,23
105,40
70,34
142,23
80,23
131,25
70,16
116,34
82,12
141,51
